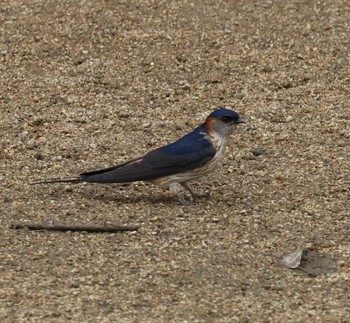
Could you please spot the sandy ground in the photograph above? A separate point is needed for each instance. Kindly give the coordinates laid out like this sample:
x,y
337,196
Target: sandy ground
x,y
88,84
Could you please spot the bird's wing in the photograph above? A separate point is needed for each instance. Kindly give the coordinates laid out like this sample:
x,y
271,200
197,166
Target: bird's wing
x,y
158,163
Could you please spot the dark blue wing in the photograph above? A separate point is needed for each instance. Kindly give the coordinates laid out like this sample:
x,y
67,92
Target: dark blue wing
x,y
189,152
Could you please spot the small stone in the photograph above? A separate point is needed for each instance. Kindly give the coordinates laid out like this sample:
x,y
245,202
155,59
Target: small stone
x,y
287,84
267,69
341,62
180,213
258,151
239,96
149,100
38,122
181,58
79,61
49,222
261,166
38,156
75,285
32,146
185,86
57,158
70,99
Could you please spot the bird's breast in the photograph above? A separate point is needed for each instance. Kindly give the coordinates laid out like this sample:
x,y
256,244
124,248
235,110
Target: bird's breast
x,y
198,172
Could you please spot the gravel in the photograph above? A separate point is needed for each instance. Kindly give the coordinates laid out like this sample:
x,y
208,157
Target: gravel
x,y
88,84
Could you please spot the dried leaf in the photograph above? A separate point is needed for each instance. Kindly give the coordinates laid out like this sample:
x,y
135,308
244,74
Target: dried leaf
x,y
293,259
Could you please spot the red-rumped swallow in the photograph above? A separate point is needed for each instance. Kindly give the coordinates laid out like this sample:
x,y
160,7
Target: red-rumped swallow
x,y
189,158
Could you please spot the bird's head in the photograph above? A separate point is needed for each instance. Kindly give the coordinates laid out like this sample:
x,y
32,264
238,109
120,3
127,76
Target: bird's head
x,y
222,121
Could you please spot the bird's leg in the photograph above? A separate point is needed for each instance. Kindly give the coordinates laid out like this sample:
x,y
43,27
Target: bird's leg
x,y
175,189
193,193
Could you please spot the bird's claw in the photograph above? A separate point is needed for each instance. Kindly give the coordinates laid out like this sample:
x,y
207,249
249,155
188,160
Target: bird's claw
x,y
183,202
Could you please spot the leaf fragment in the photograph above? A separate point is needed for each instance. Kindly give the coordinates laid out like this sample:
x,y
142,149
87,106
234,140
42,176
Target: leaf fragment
x,y
293,259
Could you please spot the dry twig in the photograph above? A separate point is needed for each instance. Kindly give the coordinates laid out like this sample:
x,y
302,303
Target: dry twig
x,y
86,228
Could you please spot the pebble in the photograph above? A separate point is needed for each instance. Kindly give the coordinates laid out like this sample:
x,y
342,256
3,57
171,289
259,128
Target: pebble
x,y
289,118
267,69
239,96
148,271
38,156
342,61
57,158
258,151
185,86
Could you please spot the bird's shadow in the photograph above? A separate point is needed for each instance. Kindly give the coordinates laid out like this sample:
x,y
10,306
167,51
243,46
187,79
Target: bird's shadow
x,y
126,198
122,195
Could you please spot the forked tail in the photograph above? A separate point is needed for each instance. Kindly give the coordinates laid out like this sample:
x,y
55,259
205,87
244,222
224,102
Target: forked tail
x,y
57,180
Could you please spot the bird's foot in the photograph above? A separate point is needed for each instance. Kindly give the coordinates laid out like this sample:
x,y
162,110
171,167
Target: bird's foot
x,y
193,193
182,201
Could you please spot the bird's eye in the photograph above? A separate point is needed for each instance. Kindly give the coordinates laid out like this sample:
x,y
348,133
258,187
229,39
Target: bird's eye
x,y
227,119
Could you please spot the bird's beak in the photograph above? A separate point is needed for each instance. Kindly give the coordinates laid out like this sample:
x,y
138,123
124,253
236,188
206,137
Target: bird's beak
x,y
240,120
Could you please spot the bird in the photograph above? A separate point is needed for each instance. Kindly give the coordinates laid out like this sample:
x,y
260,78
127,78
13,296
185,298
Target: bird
x,y
174,165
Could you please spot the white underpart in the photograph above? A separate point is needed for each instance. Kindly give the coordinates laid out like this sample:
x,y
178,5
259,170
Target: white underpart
x,y
172,181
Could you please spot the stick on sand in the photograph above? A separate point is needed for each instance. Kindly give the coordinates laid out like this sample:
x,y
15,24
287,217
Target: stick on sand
x,y
86,228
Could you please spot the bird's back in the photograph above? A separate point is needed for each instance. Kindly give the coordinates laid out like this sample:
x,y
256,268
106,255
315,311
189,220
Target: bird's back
x,y
189,152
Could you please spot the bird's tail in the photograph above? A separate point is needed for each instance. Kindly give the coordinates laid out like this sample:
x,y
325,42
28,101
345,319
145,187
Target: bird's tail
x,y
74,180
